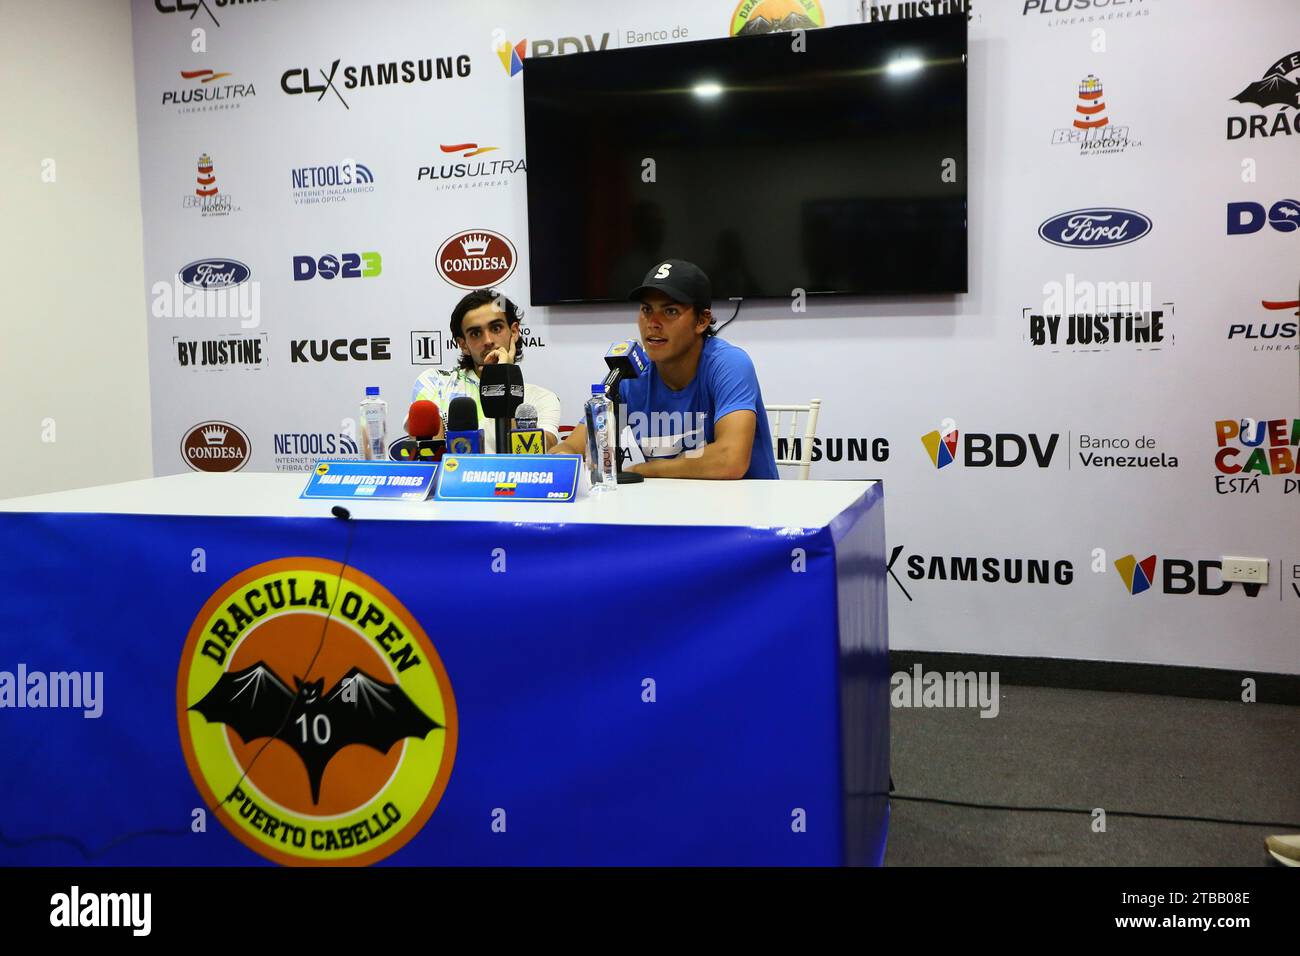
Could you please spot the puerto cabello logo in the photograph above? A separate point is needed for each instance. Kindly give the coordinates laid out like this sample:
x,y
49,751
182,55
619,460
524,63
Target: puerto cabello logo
x,y
1138,575
1275,88
776,16
1092,130
315,750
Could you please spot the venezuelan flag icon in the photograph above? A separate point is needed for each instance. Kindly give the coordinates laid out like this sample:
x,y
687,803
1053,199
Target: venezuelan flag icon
x,y
943,451
1138,575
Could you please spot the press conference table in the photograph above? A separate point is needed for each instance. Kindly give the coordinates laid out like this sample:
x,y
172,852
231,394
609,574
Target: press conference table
x,y
678,672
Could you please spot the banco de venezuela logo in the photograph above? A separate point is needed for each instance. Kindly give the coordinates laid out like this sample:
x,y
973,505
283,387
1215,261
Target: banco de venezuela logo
x,y
315,751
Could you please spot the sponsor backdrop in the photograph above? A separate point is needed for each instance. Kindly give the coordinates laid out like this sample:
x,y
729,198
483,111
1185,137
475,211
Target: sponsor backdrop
x,y
1069,449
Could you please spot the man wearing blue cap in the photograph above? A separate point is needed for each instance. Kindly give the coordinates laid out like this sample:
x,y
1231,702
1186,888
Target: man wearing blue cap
x,y
698,412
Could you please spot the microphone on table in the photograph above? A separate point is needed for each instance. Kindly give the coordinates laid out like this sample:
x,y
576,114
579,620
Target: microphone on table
x,y
464,437
625,360
423,422
501,392
526,438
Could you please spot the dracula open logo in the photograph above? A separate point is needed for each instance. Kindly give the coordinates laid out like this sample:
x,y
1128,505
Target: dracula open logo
x,y
315,715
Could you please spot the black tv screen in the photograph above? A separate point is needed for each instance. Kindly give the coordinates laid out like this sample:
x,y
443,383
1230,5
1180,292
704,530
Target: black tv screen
x,y
838,168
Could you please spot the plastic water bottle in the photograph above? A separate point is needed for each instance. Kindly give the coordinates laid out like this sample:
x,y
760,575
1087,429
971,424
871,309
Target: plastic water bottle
x,y
600,441
374,413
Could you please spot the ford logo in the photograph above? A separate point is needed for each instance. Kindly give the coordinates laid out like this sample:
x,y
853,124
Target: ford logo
x,y
1095,228
215,274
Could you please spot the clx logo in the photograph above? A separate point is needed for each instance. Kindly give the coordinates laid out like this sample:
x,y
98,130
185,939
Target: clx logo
x,y
1177,576
979,450
295,82
350,265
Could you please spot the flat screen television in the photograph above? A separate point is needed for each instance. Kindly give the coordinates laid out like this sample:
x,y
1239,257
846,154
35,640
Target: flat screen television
x,y
836,168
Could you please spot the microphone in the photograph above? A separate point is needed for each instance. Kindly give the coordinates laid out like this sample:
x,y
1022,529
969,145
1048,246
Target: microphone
x,y
423,422
501,391
526,438
464,437
626,360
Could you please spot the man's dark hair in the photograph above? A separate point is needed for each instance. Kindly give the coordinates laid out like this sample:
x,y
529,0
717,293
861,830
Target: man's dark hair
x,y
481,297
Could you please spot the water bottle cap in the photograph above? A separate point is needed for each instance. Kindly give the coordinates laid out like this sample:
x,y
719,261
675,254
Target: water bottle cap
x,y
372,389
598,389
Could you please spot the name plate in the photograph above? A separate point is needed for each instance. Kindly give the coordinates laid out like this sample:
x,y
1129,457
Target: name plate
x,y
373,480
509,478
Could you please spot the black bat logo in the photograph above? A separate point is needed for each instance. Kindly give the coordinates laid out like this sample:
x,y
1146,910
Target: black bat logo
x,y
357,710
1271,91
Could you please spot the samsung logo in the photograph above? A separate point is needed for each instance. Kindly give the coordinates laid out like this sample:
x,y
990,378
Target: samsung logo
x,y
215,274
1095,228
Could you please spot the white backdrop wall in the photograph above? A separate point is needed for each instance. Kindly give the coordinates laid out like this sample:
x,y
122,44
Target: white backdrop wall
x,y
73,362
889,371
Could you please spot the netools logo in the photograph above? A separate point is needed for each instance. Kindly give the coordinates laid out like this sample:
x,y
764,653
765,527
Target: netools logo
x,y
1278,87
330,183
393,73
476,259
299,451
215,446
1097,228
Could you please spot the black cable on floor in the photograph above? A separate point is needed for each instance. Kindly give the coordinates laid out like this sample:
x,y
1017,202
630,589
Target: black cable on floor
x,y
1088,812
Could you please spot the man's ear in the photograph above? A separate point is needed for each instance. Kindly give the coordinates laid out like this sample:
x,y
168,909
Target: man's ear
x,y
703,319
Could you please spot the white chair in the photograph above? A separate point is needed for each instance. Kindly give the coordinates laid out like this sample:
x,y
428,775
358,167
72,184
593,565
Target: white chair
x,y
812,410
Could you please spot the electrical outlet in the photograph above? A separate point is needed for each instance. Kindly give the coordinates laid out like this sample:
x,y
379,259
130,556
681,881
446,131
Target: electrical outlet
x,y
1246,570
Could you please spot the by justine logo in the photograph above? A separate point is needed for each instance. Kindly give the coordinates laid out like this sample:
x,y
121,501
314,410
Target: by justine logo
x,y
70,690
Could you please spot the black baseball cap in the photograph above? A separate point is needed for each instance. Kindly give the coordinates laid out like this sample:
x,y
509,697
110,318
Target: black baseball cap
x,y
681,281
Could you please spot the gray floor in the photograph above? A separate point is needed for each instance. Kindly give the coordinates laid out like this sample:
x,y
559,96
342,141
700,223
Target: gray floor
x,y
1072,748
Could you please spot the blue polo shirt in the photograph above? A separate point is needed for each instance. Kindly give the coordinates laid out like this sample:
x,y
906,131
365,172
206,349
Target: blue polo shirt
x,y
668,423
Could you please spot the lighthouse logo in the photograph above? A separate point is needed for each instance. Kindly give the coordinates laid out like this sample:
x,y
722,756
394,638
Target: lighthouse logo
x,y
1091,130
207,196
